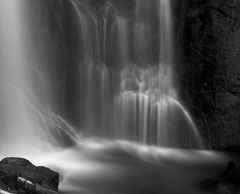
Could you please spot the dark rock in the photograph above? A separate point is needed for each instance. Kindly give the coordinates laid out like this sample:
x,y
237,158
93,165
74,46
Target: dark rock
x,y
232,173
48,178
17,162
9,180
19,173
210,34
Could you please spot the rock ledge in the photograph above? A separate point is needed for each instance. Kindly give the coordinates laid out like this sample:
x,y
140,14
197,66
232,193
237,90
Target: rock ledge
x,y
20,176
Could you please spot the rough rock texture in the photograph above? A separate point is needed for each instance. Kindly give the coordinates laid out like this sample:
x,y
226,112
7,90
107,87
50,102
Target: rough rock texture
x,y
15,171
211,50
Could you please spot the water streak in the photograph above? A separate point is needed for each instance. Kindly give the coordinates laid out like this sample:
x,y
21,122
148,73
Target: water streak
x,y
128,71
27,126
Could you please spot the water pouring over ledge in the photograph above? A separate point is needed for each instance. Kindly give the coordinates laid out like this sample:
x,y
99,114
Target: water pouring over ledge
x,y
128,94
126,69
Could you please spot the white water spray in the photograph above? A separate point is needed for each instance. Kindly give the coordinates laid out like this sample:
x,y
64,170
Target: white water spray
x,y
27,127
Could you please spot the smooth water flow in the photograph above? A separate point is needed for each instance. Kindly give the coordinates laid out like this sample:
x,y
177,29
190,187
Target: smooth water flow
x,y
15,125
120,88
127,66
27,127
126,70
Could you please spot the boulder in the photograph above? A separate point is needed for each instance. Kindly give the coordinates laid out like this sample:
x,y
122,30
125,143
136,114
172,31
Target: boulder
x,y
22,176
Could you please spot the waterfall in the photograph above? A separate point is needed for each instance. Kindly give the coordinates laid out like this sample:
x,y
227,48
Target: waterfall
x,y
126,74
127,65
27,127
99,77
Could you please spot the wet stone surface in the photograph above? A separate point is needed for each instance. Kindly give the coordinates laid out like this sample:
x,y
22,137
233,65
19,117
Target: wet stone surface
x,y
18,175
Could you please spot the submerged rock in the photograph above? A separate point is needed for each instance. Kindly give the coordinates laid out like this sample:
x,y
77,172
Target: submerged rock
x,y
228,182
19,175
232,173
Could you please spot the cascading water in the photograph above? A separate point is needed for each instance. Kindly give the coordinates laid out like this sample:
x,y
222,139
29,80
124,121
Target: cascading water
x,y
27,127
126,73
127,67
126,99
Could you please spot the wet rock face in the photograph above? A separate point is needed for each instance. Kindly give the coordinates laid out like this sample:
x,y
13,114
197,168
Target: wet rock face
x,y
211,61
18,173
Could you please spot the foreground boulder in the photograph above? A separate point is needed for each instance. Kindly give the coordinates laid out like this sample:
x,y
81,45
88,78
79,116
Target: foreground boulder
x,y
18,175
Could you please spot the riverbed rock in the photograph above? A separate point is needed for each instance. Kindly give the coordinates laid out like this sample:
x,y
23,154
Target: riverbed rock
x,y
19,174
